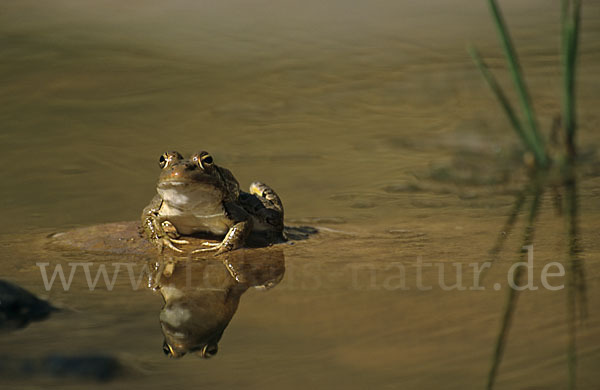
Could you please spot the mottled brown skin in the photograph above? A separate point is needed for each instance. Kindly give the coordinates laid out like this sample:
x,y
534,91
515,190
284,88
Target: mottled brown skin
x,y
196,197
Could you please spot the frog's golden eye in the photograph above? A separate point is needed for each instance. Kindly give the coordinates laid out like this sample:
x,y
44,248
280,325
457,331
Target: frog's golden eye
x,y
168,158
203,159
162,161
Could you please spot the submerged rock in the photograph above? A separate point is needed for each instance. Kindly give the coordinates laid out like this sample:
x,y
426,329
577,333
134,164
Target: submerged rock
x,y
117,238
124,238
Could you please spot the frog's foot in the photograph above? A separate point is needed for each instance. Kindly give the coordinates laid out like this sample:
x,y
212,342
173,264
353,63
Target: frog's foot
x,y
168,243
268,196
267,210
233,239
182,242
211,244
171,237
171,231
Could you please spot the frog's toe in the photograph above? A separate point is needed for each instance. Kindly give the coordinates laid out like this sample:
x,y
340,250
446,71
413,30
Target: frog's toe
x,y
211,244
217,247
169,244
177,241
211,249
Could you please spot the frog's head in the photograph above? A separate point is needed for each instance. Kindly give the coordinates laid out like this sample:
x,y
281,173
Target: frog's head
x,y
184,183
178,171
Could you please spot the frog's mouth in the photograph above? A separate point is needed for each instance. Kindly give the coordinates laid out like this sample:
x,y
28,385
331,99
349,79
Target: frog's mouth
x,y
173,185
196,180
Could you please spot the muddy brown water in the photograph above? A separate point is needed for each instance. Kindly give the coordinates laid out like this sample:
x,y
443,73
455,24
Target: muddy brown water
x,y
372,124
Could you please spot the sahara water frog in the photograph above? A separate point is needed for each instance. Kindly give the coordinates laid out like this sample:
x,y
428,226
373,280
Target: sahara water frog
x,y
196,197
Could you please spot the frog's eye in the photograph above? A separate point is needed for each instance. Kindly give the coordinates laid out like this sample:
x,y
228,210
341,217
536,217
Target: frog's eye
x,y
162,161
169,157
206,159
203,159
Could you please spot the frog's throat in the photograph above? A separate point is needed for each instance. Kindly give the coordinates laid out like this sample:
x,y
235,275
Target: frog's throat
x,y
188,198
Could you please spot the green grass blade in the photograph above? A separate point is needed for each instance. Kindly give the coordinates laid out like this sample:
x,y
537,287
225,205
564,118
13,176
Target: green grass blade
x,y
532,133
570,20
565,61
501,96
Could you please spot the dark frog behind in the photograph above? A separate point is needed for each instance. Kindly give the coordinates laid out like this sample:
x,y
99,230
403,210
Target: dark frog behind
x,y
196,197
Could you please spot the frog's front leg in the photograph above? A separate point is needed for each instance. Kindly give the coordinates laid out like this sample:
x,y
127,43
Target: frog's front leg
x,y
234,239
237,234
160,232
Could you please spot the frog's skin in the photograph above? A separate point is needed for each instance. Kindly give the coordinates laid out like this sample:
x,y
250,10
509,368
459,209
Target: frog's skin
x,y
199,198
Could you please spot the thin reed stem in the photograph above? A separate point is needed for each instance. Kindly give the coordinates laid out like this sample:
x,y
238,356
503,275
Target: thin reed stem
x,y
570,20
531,132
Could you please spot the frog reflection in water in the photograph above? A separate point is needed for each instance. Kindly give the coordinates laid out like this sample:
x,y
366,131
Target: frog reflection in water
x,y
201,297
197,197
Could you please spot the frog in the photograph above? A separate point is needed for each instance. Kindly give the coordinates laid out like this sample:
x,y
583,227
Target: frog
x,y
198,198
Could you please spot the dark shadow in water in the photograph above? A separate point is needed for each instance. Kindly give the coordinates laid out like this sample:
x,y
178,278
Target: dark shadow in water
x,y
202,295
19,307
576,290
85,366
